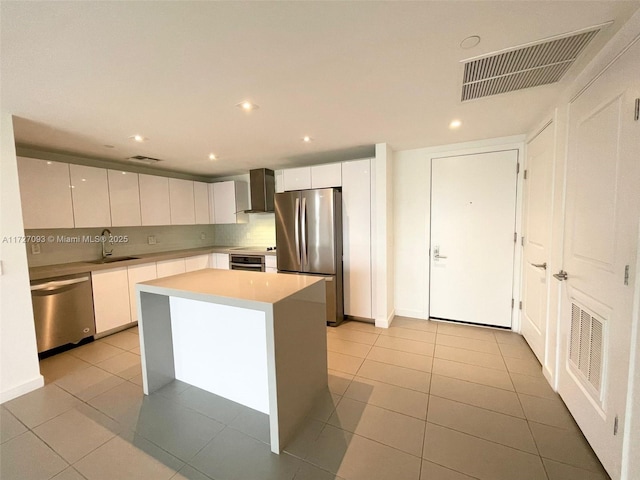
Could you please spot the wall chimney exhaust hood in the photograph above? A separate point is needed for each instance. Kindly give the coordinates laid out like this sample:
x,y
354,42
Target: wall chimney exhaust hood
x,y
262,183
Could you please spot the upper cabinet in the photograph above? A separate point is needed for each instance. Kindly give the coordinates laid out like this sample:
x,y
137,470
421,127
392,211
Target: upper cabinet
x,y
45,193
90,191
304,178
124,198
181,200
154,200
201,200
228,202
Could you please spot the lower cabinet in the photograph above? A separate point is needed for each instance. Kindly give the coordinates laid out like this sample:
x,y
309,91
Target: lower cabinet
x,y
270,264
137,274
166,268
220,261
111,299
196,263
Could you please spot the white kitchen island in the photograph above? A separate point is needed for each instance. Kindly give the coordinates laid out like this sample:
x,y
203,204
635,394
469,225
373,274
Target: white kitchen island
x,y
258,339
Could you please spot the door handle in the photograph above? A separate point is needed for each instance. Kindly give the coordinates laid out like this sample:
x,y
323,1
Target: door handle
x,y
304,255
561,275
436,254
540,265
297,231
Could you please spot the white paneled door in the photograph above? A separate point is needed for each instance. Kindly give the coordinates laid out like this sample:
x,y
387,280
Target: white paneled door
x,y
600,248
538,201
473,208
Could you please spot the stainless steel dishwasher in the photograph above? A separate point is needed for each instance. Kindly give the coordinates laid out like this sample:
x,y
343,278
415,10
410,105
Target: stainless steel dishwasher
x,y
62,310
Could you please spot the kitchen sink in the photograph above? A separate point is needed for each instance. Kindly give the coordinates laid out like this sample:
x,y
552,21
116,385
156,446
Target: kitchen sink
x,y
113,260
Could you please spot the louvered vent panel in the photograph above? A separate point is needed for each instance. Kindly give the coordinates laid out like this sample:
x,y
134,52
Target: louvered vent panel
x,y
586,347
524,67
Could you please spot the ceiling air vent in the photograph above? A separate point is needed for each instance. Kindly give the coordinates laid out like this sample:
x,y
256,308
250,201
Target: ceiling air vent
x,y
525,66
143,159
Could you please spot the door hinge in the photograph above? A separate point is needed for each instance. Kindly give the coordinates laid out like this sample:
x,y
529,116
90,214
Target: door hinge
x,y
615,426
520,305
525,174
522,241
517,168
515,237
636,115
512,303
626,274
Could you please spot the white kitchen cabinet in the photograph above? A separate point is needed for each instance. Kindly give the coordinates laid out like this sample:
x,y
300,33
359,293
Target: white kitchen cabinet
x,y
279,174
229,200
124,198
155,206
326,176
166,268
45,193
197,262
220,261
137,274
111,299
201,201
297,178
270,261
356,235
181,201
90,193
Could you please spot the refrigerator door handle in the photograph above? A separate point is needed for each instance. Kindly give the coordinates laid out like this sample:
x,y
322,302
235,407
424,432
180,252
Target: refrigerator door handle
x,y
304,260
297,230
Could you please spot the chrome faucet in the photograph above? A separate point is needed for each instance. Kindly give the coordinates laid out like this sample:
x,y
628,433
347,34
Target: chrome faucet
x,y
104,237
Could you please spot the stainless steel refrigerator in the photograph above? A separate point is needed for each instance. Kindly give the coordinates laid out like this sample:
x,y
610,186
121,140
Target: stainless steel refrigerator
x,y
309,240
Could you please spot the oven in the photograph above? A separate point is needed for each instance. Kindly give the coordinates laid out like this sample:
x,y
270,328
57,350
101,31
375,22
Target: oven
x,y
252,263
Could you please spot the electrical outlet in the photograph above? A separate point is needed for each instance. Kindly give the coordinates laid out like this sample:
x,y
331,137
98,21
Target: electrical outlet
x,y
35,248
248,235
151,239
202,236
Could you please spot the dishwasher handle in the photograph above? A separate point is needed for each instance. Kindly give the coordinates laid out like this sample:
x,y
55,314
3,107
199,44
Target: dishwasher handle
x,y
57,284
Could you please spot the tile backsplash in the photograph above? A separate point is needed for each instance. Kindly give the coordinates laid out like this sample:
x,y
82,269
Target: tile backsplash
x,y
64,245
260,231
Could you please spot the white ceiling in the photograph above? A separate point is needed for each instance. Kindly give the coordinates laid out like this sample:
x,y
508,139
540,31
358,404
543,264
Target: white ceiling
x,y
79,75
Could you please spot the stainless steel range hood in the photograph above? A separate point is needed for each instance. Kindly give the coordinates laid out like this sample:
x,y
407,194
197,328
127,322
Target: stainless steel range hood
x,y
262,183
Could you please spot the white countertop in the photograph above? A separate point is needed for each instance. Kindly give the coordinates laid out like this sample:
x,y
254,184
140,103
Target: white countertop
x,y
232,284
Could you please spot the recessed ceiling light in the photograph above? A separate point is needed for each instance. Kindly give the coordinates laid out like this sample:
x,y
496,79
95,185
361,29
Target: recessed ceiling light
x,y
470,42
247,106
138,138
307,138
84,179
212,156
124,173
48,163
455,124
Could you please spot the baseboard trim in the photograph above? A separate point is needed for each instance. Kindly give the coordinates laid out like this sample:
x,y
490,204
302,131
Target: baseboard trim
x,y
412,314
385,323
20,390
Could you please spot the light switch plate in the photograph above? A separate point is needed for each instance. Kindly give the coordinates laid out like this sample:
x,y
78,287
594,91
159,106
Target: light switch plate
x,y
35,248
151,239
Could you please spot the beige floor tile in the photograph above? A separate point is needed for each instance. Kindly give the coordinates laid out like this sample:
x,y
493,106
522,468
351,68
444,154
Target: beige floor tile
x,y
401,359
58,366
348,348
467,343
549,411
529,366
479,458
10,426
311,472
77,432
566,446
353,335
123,340
488,360
41,405
120,363
89,382
536,386
135,350
68,474
404,345
95,352
414,324
391,397
360,326
409,334
26,457
343,363
516,350
496,427
136,380
467,331
400,376
324,406
304,438
432,471
561,471
389,428
491,398
357,458
505,336
472,373
338,381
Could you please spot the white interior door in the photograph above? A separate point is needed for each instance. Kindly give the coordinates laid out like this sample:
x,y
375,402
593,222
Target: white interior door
x,y
473,208
538,202
602,208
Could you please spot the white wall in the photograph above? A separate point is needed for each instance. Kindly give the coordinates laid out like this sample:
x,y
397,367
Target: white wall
x,y
411,214
19,369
